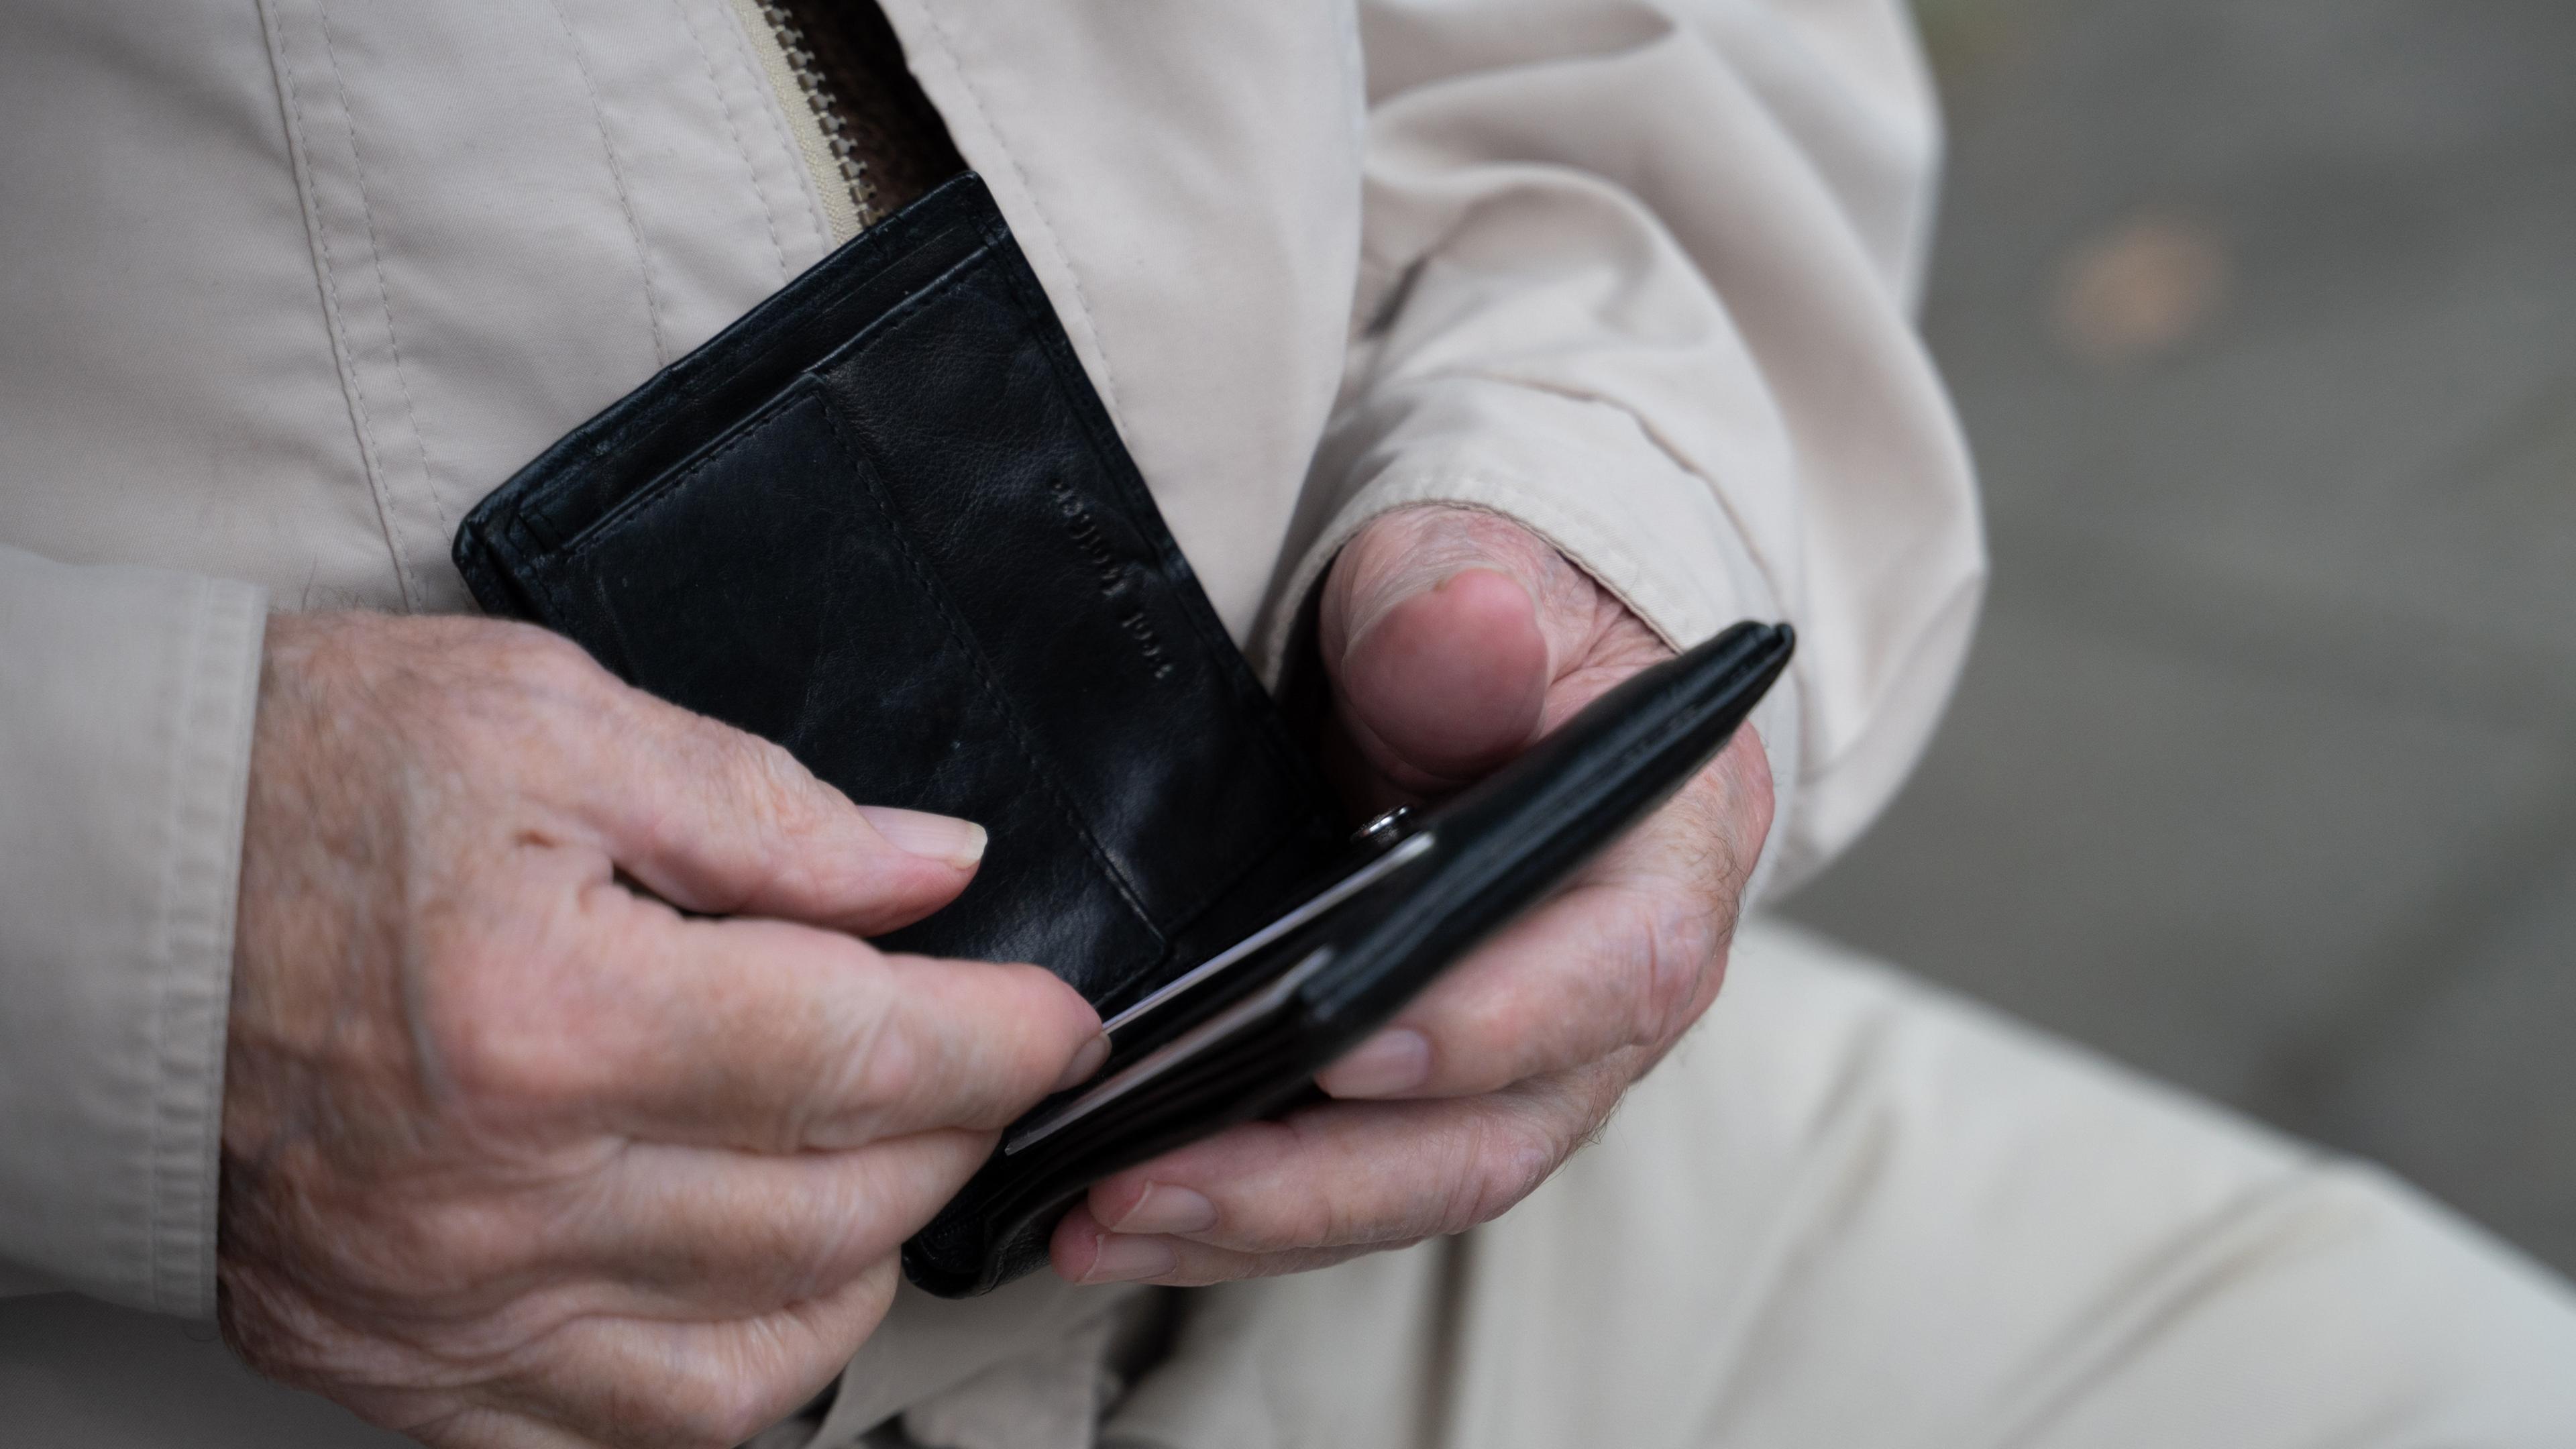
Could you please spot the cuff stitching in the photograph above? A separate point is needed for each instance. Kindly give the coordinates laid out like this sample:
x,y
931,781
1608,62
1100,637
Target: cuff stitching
x,y
208,764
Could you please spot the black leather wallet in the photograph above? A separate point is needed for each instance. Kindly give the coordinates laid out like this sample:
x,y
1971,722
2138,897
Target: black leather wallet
x,y
884,521
1242,1034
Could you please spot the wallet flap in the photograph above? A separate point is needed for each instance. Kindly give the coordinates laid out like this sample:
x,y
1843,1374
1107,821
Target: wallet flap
x,y
884,521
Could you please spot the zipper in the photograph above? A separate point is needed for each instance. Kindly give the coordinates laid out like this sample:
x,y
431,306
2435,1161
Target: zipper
x,y
814,117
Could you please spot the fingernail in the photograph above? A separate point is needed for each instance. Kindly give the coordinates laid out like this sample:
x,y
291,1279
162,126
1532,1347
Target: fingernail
x,y
1122,1259
1168,1209
1384,1065
1084,1063
918,832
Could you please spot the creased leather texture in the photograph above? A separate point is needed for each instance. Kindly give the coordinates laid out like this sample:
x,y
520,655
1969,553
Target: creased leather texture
x,y
884,521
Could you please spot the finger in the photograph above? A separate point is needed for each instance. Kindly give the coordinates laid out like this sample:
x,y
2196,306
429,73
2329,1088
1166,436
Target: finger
x,y
1630,955
1446,683
634,1382
775,1037
1351,1175
1084,1252
1592,972
1442,629
697,1234
480,1427
726,823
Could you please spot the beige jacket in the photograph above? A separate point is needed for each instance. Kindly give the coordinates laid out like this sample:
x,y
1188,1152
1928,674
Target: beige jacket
x,y
287,285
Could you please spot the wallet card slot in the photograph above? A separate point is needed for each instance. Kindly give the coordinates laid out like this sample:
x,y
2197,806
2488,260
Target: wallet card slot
x,y
640,497
595,468
1040,512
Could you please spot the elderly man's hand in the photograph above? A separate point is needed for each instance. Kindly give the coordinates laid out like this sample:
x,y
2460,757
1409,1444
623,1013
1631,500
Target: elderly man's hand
x,y
1454,639
515,1153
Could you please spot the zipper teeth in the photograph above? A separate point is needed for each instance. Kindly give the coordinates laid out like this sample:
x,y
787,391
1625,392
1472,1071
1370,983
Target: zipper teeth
x,y
827,112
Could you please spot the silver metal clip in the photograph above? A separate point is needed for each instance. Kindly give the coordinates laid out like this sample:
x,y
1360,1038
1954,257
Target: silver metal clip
x,y
1386,829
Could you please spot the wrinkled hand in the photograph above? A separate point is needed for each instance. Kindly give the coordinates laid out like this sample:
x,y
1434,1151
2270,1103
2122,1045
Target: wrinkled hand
x,y
1453,640
515,1154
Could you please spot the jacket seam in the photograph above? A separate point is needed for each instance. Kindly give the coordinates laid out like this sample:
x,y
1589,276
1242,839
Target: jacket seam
x,y
1037,209
326,275
617,178
773,108
376,261
1654,437
1541,510
161,954
212,707
808,206
733,127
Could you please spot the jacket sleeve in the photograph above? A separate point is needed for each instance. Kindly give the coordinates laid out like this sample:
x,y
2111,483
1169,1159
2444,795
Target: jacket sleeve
x,y
126,701
1641,275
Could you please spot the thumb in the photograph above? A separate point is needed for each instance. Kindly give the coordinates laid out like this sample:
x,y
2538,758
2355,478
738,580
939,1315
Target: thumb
x,y
1442,630
715,820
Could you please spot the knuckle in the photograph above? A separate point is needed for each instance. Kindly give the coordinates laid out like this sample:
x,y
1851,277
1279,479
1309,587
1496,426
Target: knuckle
x,y
886,1064
494,1044
508,1075
769,781
822,1258
521,1003
1506,1158
1747,770
1688,948
1315,1219
1317,1215
1676,953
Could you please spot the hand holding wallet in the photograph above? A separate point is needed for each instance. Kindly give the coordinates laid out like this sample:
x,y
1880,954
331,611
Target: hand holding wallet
x,y
883,521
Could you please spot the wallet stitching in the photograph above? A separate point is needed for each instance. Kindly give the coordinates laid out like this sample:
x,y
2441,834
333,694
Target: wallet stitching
x,y
836,294
894,319
642,501
620,427
963,634
640,505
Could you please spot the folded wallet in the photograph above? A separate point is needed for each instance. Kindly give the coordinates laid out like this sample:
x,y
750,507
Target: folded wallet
x,y
884,521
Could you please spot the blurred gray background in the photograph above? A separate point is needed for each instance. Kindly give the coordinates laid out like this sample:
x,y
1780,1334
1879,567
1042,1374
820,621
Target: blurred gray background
x,y
2262,317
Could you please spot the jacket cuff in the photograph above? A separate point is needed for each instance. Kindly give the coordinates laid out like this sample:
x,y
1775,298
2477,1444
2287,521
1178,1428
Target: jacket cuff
x,y
125,732
1582,474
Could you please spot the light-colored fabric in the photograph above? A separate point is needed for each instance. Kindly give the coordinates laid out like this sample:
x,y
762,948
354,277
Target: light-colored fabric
x,y
125,712
1851,1211
291,284
1847,1211
931,1347
1043,1400
1641,275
